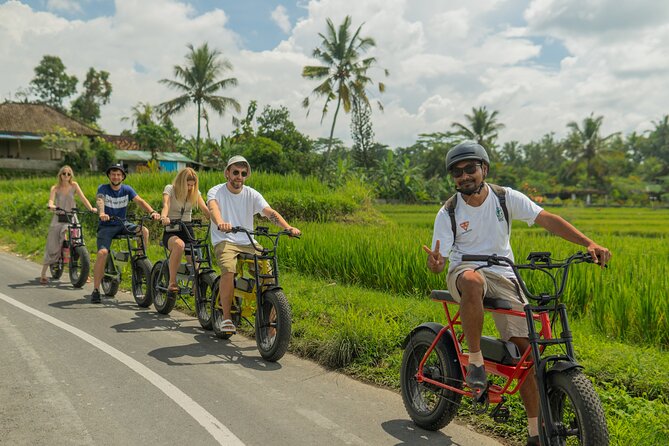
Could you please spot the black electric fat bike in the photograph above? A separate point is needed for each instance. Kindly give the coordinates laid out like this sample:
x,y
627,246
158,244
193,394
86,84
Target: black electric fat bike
x,y
73,252
258,295
130,249
195,277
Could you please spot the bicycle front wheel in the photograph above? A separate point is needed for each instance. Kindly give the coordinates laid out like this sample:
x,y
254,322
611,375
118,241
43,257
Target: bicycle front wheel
x,y
576,410
273,325
80,264
429,406
141,277
163,301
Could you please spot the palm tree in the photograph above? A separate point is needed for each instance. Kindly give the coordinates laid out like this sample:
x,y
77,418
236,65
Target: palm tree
x,y
344,73
199,82
587,146
483,127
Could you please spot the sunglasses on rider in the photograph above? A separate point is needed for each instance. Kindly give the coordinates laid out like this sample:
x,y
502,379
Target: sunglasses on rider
x,y
66,174
243,173
469,169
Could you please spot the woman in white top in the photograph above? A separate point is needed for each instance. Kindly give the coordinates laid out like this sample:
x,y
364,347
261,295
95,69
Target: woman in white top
x,y
179,199
62,196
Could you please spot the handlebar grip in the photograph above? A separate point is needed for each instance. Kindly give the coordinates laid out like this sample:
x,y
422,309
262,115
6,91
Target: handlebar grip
x,y
475,258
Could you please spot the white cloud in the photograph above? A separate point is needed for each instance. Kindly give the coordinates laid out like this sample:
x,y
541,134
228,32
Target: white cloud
x,y
280,17
443,60
69,6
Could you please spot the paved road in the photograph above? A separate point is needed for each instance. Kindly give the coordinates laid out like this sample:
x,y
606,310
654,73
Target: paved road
x,y
75,373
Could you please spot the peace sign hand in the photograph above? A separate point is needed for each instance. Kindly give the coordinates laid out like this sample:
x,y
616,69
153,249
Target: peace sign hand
x,y
435,261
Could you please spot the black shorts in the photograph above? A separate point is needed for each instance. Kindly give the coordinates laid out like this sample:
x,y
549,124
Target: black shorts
x,y
183,235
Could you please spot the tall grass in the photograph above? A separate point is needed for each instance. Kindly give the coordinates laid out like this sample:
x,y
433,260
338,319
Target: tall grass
x,y
628,300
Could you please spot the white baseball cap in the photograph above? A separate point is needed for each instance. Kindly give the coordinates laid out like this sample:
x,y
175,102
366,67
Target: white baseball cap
x,y
238,159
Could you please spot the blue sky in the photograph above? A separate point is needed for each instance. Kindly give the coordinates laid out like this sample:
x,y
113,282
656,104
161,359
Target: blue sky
x,y
539,63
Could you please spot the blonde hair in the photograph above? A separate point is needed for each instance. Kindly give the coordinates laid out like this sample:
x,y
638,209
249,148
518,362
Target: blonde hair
x,y
180,186
60,173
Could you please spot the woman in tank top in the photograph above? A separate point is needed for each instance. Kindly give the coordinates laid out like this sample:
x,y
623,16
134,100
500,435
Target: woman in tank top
x,y
179,199
62,196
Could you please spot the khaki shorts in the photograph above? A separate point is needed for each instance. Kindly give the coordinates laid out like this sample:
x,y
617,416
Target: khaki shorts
x,y
500,287
226,255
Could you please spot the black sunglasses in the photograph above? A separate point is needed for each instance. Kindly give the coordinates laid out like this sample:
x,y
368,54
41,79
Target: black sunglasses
x,y
237,172
67,174
469,169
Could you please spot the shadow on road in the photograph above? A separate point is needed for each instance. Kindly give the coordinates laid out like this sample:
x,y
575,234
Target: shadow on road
x,y
206,347
34,283
410,434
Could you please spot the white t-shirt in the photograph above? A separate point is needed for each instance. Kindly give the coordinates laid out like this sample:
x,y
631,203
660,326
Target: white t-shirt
x,y
482,230
178,209
236,209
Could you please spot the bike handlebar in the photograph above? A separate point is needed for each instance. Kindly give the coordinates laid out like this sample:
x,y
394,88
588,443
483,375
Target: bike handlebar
x,y
538,261
264,232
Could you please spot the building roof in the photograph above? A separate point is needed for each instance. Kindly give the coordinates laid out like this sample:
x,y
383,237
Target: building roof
x,y
145,155
38,119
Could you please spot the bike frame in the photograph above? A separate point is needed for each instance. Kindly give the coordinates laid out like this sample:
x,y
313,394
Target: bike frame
x,y
200,263
134,253
265,269
538,340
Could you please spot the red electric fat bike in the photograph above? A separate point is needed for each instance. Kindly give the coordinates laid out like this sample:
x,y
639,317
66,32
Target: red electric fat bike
x,y
434,363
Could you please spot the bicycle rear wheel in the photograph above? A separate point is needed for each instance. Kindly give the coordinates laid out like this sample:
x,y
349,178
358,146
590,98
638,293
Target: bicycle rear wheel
x,y
205,292
429,406
273,325
80,264
112,278
56,269
576,410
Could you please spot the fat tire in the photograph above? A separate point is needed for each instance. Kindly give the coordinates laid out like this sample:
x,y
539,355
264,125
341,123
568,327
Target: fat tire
x,y
443,404
56,269
80,266
141,279
572,391
163,302
273,325
205,289
110,285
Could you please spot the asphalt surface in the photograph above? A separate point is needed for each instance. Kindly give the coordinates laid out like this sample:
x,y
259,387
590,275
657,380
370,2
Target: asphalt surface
x,y
76,373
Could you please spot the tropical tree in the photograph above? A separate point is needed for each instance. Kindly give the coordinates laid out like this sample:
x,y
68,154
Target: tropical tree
x,y
97,90
586,145
51,83
482,128
344,73
199,81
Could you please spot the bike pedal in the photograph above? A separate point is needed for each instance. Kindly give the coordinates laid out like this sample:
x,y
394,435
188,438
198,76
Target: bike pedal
x,y
480,402
501,414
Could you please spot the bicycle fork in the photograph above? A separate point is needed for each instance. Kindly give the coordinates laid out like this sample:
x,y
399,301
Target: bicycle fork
x,y
549,430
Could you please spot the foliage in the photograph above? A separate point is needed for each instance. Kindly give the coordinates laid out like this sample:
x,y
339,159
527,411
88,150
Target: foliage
x,y
198,81
97,90
51,83
105,153
344,74
483,128
76,149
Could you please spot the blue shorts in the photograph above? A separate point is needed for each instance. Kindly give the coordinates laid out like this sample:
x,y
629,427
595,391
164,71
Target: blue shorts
x,y
107,233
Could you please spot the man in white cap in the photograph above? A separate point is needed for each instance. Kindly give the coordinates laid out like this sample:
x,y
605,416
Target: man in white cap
x,y
234,204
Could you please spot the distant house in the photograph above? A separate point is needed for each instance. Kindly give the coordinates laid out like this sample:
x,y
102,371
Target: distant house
x,y
22,127
168,161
